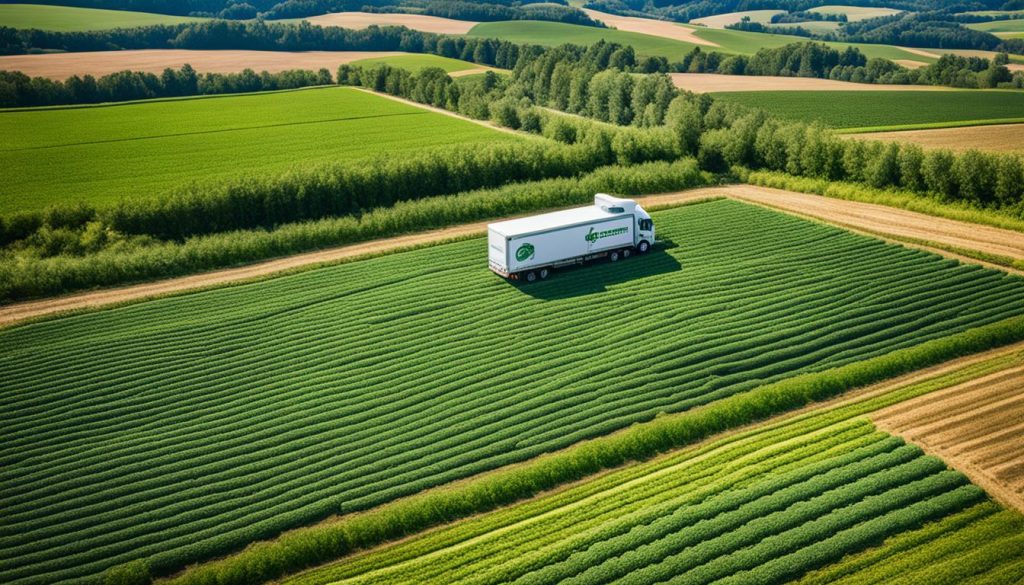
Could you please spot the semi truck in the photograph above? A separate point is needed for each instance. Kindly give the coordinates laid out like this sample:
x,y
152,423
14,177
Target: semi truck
x,y
530,248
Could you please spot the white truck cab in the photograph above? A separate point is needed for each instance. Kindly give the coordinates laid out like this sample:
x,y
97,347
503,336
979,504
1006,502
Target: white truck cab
x,y
529,248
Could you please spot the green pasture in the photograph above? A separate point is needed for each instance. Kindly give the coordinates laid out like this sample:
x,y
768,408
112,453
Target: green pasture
x,y
1000,26
859,109
68,18
101,154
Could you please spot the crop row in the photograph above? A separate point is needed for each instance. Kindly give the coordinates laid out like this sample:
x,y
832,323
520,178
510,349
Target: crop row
x,y
762,510
816,432
982,544
183,428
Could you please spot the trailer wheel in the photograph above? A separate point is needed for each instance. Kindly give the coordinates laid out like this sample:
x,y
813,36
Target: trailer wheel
x,y
544,273
613,255
643,247
531,276
626,253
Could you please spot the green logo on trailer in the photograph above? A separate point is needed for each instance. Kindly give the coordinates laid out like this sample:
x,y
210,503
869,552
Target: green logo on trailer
x,y
593,236
525,252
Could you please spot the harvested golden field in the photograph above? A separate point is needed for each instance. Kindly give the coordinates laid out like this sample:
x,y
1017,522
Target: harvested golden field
x,y
976,427
724,20
714,82
1001,137
64,65
910,63
433,24
649,26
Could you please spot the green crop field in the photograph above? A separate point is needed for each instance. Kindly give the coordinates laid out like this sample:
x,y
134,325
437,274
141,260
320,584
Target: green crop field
x,y
67,18
557,33
419,62
983,545
183,428
807,498
763,511
999,26
133,150
861,109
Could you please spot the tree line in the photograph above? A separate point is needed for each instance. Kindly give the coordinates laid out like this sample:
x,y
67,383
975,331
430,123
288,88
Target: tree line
x,y
20,90
490,10
822,61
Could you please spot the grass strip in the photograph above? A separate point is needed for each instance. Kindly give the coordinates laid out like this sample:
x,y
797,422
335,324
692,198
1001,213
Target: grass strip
x,y
930,125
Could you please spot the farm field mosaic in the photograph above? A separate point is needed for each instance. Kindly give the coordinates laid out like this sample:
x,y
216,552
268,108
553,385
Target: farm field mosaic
x,y
183,428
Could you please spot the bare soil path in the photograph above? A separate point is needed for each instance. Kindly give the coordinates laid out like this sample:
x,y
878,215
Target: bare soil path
x,y
421,22
876,219
976,427
996,137
60,66
716,82
650,26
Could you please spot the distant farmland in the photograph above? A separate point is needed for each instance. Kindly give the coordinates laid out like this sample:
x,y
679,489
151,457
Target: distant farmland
x,y
870,109
183,428
67,18
140,149
727,41
418,62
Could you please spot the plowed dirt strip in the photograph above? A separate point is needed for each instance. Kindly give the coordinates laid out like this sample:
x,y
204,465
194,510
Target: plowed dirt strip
x,y
976,427
878,219
1000,137
63,65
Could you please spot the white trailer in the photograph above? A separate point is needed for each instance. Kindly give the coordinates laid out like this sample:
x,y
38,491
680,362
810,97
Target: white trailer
x,y
529,248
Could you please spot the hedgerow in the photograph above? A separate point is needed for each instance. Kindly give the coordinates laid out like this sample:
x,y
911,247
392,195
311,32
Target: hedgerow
x,y
335,407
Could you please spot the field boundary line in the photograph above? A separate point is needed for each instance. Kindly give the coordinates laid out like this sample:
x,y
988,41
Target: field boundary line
x,y
437,110
931,126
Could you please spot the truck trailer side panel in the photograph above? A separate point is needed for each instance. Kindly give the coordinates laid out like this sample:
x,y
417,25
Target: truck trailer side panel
x,y
558,245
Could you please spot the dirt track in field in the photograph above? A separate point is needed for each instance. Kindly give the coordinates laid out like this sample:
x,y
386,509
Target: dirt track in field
x,y
875,219
997,137
714,82
649,26
63,65
358,20
976,427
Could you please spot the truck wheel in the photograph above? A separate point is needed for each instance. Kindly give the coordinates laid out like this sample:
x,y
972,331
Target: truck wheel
x,y
531,276
544,273
614,256
626,253
643,247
